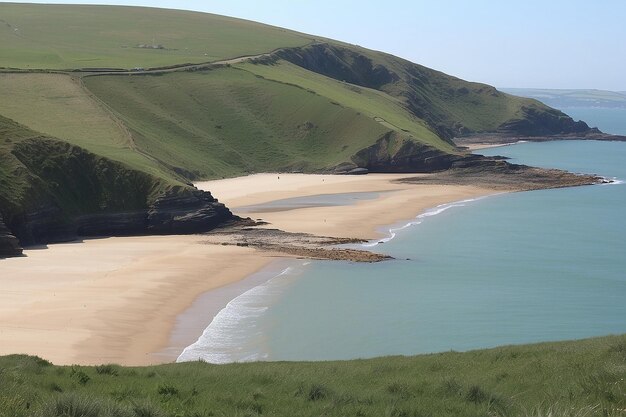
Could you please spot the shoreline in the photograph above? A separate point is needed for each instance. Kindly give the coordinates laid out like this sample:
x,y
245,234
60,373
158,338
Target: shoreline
x,y
273,271
372,233
146,285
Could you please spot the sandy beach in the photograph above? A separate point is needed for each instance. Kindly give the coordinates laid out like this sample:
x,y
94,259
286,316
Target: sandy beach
x,y
117,300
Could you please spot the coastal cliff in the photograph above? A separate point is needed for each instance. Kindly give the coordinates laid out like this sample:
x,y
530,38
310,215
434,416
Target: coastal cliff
x,y
9,245
450,106
52,191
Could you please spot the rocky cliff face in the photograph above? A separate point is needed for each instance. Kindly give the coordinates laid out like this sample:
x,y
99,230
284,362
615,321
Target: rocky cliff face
x,y
543,123
392,153
67,192
179,212
9,245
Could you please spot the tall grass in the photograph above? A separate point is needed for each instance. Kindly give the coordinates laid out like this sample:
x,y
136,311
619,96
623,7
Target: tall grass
x,y
568,379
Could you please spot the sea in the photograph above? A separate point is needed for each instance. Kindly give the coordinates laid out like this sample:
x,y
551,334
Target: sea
x,y
506,269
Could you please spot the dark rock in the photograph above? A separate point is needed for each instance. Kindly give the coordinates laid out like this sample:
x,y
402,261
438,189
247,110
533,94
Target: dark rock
x,y
9,245
540,123
181,212
339,63
71,193
187,212
411,156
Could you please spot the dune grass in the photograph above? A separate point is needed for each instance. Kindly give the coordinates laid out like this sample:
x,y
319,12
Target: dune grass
x,y
580,378
108,36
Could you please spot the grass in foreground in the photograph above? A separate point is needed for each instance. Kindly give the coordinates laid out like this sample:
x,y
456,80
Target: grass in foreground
x,y
580,378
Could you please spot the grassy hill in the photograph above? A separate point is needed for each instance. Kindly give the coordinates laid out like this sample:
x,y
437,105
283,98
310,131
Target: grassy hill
x,y
566,379
75,36
299,104
52,190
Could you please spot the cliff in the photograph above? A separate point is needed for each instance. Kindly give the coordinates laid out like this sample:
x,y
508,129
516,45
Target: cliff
x,y
53,191
450,106
9,245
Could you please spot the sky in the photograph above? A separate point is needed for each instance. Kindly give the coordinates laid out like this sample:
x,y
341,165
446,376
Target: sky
x,y
506,43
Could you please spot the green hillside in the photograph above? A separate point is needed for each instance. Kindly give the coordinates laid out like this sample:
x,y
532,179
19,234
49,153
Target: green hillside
x,y
51,190
226,122
566,379
450,106
57,105
297,103
76,36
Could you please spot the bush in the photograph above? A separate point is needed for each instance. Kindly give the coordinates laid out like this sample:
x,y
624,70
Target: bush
x,y
72,405
475,395
167,390
147,410
107,370
317,392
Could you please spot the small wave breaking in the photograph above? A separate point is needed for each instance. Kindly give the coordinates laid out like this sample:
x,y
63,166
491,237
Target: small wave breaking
x,y
420,218
233,333
612,181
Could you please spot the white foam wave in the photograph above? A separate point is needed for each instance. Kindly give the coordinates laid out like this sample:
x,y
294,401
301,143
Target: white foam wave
x,y
418,220
613,181
227,338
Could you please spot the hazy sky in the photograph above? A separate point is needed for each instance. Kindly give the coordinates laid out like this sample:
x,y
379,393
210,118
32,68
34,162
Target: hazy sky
x,y
506,43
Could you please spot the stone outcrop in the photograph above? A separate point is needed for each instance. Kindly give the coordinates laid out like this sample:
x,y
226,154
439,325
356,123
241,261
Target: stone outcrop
x,y
185,211
68,192
9,245
406,156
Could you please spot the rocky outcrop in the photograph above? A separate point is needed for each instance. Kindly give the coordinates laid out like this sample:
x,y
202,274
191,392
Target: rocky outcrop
x,y
339,63
182,211
545,122
69,192
391,153
9,245
495,174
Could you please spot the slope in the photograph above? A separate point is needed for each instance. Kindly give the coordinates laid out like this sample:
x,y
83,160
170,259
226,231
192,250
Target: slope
x,y
576,378
57,105
87,36
450,106
297,104
227,121
52,191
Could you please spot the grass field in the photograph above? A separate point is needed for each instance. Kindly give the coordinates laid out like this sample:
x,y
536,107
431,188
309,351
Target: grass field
x,y
565,379
227,122
56,105
387,110
66,37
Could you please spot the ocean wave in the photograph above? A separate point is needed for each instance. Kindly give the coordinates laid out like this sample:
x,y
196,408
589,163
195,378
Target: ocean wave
x,y
418,220
232,333
612,181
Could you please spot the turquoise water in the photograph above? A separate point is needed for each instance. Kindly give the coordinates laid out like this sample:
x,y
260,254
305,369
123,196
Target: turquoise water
x,y
512,268
609,120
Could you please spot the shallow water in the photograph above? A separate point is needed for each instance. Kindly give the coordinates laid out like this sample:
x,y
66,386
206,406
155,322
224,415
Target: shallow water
x,y
512,268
